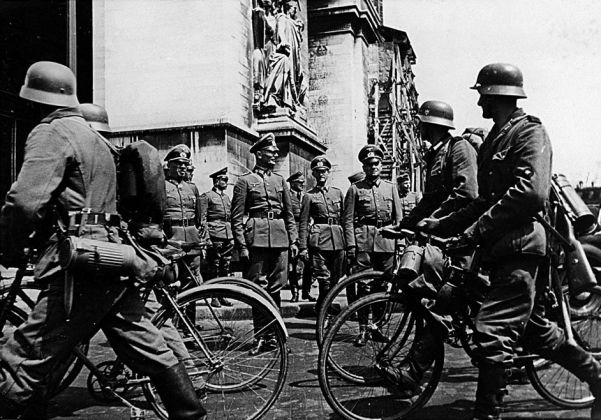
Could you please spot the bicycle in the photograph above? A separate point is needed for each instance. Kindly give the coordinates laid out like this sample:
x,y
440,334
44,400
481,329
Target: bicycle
x,y
220,364
364,394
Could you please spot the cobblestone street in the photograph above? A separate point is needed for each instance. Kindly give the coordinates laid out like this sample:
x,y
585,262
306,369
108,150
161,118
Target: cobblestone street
x,y
301,397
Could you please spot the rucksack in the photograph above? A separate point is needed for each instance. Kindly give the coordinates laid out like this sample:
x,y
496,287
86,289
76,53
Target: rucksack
x,y
475,136
141,183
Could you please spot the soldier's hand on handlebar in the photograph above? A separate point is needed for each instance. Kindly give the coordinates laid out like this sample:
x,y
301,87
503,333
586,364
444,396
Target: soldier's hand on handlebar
x,y
428,225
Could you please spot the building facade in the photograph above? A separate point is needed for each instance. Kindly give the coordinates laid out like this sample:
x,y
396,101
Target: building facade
x,y
324,75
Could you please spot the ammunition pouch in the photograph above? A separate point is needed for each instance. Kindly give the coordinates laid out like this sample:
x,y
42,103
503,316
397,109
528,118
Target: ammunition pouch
x,y
411,262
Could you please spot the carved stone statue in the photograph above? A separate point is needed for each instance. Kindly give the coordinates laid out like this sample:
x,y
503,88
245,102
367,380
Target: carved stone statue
x,y
263,26
279,86
289,30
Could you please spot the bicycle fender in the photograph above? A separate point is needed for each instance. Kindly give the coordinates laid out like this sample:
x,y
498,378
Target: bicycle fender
x,y
216,287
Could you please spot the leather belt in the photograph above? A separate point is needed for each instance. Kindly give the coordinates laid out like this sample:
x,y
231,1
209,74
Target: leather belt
x,y
376,223
93,218
219,219
265,215
181,222
326,221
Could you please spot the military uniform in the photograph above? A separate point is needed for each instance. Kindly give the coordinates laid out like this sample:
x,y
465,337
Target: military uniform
x,y
270,229
215,209
300,276
68,167
322,234
369,205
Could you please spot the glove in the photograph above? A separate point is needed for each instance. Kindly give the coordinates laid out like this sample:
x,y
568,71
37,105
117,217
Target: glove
x,y
304,255
428,225
294,250
351,254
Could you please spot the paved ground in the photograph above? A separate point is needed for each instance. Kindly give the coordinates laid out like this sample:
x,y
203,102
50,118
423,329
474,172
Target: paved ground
x,y
301,398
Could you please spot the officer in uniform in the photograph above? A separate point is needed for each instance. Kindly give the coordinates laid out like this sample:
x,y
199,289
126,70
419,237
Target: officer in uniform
x,y
409,199
67,185
270,231
369,205
514,177
323,240
182,213
299,272
215,208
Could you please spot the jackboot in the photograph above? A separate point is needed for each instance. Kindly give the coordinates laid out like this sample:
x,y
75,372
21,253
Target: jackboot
x,y
585,366
408,375
490,392
178,394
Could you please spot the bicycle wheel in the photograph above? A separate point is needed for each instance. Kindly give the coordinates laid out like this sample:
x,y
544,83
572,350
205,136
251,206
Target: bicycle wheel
x,y
237,385
70,368
555,383
239,281
339,294
348,377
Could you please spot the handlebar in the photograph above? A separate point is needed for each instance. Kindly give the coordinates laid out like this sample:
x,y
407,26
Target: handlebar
x,y
414,236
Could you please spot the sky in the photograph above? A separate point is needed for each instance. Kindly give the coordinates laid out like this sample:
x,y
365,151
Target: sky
x,y
556,44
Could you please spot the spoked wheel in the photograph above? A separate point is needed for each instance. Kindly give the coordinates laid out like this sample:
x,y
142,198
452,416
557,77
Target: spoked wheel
x,y
115,377
348,375
557,384
343,293
237,384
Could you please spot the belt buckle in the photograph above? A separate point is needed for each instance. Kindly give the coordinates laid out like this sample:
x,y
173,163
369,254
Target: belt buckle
x,y
330,220
270,215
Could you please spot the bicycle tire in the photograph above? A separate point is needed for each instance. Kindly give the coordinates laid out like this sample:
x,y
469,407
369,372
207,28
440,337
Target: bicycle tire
x,y
371,398
72,366
257,380
240,281
335,293
555,383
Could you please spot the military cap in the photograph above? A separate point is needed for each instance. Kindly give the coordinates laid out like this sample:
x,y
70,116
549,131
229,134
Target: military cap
x,y
320,162
370,151
403,176
356,177
178,152
295,176
266,141
222,171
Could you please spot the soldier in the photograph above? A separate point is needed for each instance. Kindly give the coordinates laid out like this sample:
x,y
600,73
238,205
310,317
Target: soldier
x,y
68,182
215,206
190,174
514,177
182,213
409,199
323,241
369,205
299,272
270,231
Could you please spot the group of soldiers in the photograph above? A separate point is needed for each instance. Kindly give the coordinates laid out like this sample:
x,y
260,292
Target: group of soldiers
x,y
489,198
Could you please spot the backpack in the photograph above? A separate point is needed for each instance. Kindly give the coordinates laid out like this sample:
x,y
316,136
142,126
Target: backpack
x,y
475,136
141,183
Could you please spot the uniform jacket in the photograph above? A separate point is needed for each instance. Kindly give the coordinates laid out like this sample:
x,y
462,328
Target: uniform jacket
x,y
318,205
451,180
259,192
514,177
66,166
215,208
368,203
182,204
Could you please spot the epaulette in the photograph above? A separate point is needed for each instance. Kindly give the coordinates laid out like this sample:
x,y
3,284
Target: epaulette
x,y
534,119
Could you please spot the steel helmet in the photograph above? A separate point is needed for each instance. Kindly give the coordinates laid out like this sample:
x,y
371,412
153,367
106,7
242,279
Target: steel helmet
x,y
436,112
500,79
96,116
50,83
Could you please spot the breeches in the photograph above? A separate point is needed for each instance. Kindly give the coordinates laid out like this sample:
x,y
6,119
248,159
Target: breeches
x,y
29,355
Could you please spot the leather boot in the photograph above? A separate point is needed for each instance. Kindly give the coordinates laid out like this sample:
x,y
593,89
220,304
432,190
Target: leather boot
x,y
585,366
490,392
407,376
178,394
